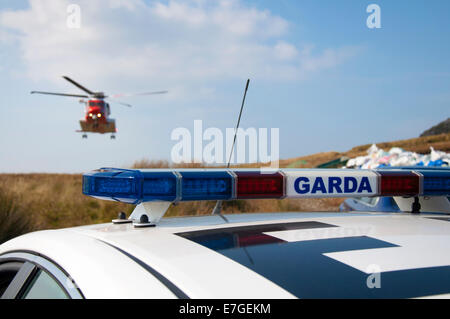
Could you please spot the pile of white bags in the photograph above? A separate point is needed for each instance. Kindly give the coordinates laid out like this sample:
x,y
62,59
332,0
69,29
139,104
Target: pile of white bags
x,y
398,157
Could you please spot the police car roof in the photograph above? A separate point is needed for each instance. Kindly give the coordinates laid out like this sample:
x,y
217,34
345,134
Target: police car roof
x,y
270,255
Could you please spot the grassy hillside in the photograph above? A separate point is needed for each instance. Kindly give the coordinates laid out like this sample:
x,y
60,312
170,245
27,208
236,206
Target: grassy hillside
x,y
45,201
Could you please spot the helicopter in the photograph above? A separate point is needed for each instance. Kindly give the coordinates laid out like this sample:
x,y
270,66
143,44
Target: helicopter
x,y
97,110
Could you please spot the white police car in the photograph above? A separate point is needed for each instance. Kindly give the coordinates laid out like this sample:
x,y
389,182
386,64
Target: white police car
x,y
276,255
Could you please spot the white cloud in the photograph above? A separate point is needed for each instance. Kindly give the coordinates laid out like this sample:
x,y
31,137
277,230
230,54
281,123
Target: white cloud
x,y
285,51
162,42
327,59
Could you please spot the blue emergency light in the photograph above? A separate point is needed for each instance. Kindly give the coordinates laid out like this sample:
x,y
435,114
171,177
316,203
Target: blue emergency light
x,y
436,183
114,184
206,185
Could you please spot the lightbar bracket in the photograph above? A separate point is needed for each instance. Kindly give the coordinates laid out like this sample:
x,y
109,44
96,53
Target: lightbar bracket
x,y
436,204
153,210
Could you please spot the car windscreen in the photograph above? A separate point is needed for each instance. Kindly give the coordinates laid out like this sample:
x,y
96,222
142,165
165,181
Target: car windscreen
x,y
301,267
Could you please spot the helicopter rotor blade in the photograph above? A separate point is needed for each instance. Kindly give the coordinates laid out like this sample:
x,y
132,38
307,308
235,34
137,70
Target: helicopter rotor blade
x,y
138,94
60,94
79,85
119,102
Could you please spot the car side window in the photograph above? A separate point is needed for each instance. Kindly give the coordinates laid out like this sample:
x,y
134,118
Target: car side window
x,y
8,271
24,275
43,286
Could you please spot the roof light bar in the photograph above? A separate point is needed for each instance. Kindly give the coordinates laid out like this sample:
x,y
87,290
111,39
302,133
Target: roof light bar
x,y
173,185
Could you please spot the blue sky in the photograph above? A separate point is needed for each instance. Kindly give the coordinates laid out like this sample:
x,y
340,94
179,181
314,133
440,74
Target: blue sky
x,y
318,73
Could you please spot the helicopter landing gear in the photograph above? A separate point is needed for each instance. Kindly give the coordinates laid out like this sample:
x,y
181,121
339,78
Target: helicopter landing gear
x,y
113,137
84,136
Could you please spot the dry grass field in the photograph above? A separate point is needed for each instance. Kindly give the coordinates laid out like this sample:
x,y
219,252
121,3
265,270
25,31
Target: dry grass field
x,y
47,201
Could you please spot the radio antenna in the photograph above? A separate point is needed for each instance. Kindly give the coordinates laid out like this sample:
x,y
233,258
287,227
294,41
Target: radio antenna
x,y
218,208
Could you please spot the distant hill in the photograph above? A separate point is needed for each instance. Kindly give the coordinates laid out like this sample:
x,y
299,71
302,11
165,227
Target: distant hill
x,y
441,128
